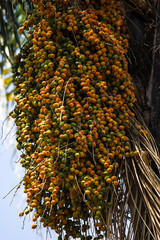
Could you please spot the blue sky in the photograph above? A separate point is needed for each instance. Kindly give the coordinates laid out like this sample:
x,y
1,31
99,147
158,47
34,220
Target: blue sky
x,y
10,174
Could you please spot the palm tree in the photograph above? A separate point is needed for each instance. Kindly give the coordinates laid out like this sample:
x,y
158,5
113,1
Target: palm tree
x,y
135,210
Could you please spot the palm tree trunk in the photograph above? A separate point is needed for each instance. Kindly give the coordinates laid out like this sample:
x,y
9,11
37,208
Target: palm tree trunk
x,y
144,27
153,93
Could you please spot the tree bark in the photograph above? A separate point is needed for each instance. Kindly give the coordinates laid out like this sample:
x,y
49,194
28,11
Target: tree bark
x,y
153,93
144,59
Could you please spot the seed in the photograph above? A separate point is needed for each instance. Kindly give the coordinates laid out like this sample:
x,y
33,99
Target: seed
x,y
73,102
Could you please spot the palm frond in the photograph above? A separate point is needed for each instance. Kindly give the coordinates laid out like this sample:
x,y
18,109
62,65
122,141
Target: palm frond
x,y
11,13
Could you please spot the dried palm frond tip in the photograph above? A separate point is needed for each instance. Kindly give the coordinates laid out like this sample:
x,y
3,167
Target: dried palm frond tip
x,y
83,149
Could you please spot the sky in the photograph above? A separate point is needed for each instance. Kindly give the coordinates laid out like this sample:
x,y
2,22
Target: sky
x,y
11,173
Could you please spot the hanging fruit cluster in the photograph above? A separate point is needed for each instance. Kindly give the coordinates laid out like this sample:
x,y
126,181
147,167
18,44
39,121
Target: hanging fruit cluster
x,y
74,98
